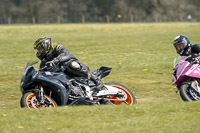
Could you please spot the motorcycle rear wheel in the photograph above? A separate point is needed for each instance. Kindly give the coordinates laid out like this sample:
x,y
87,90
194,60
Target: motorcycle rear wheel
x,y
29,100
130,97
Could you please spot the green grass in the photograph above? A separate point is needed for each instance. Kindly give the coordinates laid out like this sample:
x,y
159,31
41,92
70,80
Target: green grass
x,y
141,56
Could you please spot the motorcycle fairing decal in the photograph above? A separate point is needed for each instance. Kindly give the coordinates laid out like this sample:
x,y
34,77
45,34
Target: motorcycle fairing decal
x,y
181,68
110,91
192,69
106,92
197,71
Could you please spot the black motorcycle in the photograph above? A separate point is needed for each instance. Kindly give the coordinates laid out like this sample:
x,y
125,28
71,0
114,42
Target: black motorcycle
x,y
50,89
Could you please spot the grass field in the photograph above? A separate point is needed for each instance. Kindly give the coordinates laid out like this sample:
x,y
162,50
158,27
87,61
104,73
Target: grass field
x,y
141,55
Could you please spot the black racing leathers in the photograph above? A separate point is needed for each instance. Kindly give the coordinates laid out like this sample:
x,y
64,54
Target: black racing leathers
x,y
192,49
61,56
195,49
194,56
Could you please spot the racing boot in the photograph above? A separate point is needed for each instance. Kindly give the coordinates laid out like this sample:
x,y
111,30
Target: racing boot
x,y
99,84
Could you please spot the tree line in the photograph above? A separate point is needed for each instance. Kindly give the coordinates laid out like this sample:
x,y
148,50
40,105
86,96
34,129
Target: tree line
x,y
83,11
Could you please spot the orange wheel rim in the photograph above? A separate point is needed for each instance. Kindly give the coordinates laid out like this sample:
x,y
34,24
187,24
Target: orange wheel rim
x,y
129,99
53,104
32,95
28,100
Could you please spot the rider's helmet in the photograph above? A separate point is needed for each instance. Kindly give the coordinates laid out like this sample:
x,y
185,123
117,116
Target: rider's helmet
x,y
43,46
182,44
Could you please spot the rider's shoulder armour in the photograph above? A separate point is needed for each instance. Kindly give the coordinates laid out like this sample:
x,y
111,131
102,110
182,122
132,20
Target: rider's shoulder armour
x,y
59,48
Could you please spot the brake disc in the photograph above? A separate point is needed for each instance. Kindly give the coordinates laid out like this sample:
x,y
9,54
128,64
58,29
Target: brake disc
x,y
34,102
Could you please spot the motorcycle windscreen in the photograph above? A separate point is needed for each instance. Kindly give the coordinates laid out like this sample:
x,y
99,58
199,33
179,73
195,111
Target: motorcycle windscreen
x,y
194,71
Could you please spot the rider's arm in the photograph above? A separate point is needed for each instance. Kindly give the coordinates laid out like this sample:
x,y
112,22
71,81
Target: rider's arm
x,y
70,62
65,58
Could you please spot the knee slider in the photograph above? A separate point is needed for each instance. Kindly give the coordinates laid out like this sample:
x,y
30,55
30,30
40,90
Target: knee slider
x,y
75,65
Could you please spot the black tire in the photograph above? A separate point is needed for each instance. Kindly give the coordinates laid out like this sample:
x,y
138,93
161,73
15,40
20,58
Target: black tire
x,y
126,90
24,102
184,93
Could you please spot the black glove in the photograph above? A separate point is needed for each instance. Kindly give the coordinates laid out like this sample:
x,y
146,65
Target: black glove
x,y
51,64
195,58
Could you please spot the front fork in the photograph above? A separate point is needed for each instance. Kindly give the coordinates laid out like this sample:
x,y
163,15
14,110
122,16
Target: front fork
x,y
195,86
41,95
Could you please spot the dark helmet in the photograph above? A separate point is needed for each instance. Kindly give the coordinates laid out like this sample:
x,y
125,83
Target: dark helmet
x,y
43,46
182,44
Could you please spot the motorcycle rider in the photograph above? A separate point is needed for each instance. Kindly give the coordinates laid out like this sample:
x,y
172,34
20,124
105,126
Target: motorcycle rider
x,y
51,56
184,47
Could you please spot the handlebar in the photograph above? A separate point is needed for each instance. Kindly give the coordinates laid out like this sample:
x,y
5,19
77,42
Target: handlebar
x,y
43,68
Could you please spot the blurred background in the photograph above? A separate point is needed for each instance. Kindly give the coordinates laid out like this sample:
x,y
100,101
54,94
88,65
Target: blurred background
x,y
101,11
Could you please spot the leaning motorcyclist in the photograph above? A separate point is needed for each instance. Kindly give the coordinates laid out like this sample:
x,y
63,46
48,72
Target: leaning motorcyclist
x,y
183,46
51,57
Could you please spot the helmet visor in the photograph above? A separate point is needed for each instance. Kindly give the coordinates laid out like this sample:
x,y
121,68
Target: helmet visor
x,y
179,47
39,51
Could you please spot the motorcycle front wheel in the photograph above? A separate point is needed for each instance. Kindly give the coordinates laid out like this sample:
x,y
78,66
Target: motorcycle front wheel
x,y
130,97
188,94
30,100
